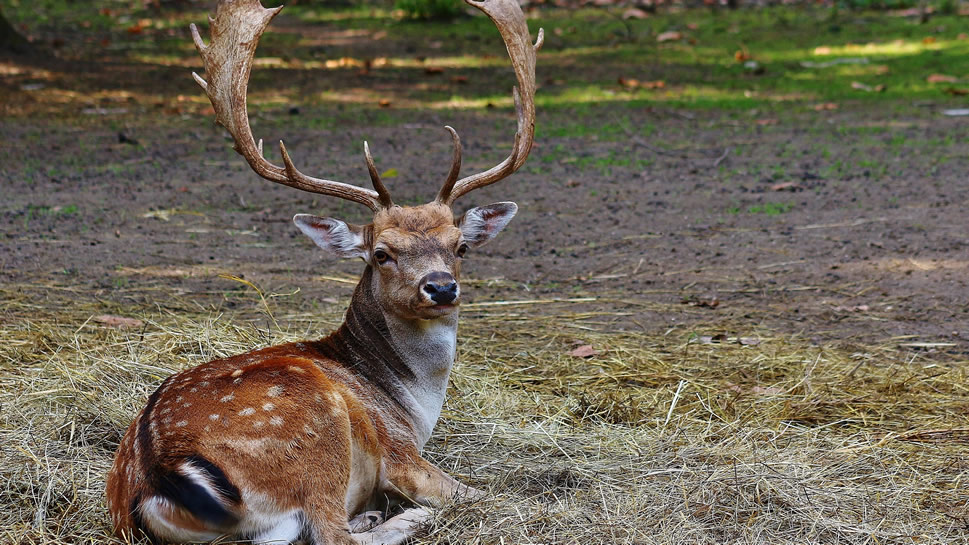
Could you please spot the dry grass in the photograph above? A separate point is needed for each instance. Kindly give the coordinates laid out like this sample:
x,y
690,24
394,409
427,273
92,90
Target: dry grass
x,y
658,439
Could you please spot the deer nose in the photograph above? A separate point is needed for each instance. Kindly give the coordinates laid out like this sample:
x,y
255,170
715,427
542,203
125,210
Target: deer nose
x,y
440,287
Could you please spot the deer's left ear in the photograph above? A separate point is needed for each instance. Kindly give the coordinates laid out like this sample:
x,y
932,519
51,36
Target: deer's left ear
x,y
337,237
483,223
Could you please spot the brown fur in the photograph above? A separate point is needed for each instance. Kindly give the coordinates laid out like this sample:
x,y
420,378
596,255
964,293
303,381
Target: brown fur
x,y
295,422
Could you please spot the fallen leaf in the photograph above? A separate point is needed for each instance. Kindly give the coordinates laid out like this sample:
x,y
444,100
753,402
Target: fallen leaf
x,y
958,92
632,83
941,78
669,36
764,122
634,13
928,40
692,26
786,186
584,351
628,82
865,87
962,36
748,341
741,56
389,173
459,79
118,321
711,339
384,103
825,106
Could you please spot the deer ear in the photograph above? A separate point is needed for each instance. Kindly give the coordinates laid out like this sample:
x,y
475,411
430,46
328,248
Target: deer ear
x,y
483,223
336,237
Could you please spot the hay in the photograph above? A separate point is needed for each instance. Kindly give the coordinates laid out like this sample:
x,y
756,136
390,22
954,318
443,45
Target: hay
x,y
671,438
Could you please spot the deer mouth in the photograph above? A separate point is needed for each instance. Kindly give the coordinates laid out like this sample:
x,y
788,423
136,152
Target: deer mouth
x,y
435,311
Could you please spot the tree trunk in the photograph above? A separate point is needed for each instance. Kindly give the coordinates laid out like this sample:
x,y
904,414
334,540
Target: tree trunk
x,y
10,39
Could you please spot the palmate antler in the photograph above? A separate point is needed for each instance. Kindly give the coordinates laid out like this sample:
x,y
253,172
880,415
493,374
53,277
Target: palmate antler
x,y
236,29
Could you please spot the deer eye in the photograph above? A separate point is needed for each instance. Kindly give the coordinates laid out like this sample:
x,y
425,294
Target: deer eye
x,y
381,256
462,249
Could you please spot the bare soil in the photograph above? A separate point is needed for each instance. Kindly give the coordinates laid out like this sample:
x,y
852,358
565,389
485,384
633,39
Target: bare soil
x,y
844,225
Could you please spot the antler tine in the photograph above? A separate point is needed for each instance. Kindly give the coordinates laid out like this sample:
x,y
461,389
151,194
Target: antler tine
x,y
508,17
452,175
382,194
236,29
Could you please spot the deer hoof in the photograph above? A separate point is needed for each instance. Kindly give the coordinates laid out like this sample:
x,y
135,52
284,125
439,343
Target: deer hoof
x,y
366,521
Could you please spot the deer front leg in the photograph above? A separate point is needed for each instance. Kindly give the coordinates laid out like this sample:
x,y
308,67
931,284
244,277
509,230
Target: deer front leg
x,y
426,484
422,482
397,529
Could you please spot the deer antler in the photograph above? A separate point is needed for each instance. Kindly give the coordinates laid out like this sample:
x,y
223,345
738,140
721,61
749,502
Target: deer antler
x,y
236,29
508,17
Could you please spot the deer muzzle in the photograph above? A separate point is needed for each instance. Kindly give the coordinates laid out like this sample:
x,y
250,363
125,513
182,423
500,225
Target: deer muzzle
x,y
440,287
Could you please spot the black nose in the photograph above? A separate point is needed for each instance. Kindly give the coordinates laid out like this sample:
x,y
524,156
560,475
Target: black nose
x,y
440,286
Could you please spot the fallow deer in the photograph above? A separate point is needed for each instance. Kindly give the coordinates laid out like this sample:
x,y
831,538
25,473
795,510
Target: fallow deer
x,y
297,442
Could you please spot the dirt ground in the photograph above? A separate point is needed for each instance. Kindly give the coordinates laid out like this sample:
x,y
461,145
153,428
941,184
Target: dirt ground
x,y
827,238
843,225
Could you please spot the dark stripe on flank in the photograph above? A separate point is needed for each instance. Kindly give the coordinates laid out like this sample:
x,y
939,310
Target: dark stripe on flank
x,y
140,522
194,498
219,480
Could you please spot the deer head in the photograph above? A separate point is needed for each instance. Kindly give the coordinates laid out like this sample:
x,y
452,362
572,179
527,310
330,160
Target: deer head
x,y
414,251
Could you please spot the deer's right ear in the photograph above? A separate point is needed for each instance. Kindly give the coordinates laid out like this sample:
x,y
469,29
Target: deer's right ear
x,y
336,237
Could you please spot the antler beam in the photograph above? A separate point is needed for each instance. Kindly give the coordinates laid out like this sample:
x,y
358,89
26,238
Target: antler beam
x,y
236,29
508,17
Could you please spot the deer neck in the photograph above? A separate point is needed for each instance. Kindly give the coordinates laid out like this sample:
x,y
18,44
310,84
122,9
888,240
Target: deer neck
x,y
409,360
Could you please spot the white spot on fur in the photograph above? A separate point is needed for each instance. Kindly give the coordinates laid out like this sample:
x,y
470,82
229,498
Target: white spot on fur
x,y
258,424
237,381
213,417
247,411
236,373
276,421
186,405
181,423
268,407
274,391
296,369
228,398
204,384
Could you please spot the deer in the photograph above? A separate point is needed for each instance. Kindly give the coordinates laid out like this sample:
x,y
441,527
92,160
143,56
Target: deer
x,y
304,442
